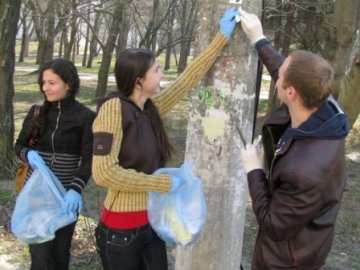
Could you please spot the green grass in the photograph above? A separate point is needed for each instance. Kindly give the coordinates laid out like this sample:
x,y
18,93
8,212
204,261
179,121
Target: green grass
x,y
6,196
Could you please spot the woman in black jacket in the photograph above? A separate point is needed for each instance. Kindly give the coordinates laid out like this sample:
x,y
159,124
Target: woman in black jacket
x,y
63,141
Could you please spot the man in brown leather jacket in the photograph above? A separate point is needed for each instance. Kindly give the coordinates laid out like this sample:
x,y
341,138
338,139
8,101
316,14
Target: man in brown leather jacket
x,y
296,202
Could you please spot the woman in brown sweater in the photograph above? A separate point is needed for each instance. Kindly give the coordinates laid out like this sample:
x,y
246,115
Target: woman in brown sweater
x,y
130,143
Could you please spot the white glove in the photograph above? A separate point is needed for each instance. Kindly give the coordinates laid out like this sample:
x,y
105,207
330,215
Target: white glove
x,y
251,158
251,25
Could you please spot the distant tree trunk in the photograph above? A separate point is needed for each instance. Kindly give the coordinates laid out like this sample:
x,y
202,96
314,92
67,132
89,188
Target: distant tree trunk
x,y
86,47
169,39
155,18
9,16
124,30
151,28
187,30
281,42
44,23
185,45
87,39
62,42
73,27
93,41
224,100
24,49
108,49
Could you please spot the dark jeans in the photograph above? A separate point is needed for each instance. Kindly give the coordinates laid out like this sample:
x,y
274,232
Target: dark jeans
x,y
134,249
54,254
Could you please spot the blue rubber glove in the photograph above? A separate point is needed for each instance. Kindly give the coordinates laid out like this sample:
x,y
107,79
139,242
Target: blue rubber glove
x,y
72,202
227,22
176,182
34,159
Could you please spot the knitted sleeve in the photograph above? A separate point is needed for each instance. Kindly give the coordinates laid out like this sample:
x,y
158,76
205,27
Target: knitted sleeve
x,y
193,73
107,172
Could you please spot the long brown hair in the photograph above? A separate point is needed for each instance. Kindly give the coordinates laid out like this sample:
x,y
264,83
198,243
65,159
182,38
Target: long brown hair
x,y
131,65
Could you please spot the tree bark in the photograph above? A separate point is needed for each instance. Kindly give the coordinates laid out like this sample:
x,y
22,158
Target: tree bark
x,y
342,33
24,49
94,42
349,96
44,23
124,30
187,31
108,49
9,15
73,29
225,99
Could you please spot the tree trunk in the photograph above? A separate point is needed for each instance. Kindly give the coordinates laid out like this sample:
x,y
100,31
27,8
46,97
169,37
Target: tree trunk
x,y
273,101
9,15
24,49
44,23
86,46
124,30
187,30
169,35
349,96
225,99
108,50
74,25
93,42
338,45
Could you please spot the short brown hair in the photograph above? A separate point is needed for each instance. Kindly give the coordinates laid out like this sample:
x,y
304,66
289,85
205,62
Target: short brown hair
x,y
311,75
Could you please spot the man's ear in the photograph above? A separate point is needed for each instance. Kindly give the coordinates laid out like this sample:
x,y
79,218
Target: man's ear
x,y
292,93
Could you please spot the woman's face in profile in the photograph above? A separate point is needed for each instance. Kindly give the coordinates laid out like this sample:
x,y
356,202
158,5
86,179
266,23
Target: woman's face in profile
x,y
53,86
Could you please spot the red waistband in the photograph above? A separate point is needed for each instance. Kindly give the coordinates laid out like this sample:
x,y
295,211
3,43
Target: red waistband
x,y
124,220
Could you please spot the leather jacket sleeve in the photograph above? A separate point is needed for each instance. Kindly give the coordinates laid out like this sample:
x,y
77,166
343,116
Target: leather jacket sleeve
x,y
271,58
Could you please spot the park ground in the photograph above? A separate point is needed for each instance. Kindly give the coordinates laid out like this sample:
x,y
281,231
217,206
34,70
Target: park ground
x,y
15,256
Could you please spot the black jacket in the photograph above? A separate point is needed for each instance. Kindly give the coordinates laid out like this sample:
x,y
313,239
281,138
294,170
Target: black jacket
x,y
297,203
66,144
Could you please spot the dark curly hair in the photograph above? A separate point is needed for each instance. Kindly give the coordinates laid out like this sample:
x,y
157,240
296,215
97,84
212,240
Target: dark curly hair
x,y
67,71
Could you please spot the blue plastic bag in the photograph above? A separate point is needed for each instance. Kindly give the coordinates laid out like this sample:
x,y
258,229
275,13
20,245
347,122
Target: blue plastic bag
x,y
38,210
179,217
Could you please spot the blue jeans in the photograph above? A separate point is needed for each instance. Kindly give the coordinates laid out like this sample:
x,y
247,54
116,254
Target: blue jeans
x,y
54,254
134,249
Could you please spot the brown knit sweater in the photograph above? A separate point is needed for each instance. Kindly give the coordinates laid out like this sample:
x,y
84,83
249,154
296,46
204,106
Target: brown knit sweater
x,y
127,188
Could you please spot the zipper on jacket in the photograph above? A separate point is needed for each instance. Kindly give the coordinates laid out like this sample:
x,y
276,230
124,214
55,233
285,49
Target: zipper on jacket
x,y
53,134
276,153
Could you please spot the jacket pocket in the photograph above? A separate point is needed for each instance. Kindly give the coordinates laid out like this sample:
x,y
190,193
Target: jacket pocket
x,y
121,238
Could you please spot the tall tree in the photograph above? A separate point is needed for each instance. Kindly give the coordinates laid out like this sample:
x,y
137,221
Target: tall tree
x,y
224,100
9,16
124,30
349,95
44,22
117,16
73,28
327,27
342,49
187,25
94,38
169,35
24,49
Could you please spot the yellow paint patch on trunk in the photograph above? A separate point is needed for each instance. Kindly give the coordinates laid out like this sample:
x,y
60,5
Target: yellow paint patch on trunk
x,y
214,124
